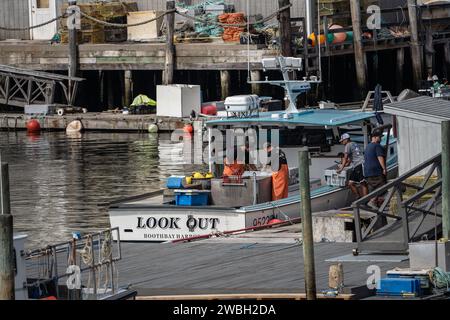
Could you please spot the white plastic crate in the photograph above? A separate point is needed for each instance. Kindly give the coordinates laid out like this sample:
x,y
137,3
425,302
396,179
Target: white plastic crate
x,y
332,178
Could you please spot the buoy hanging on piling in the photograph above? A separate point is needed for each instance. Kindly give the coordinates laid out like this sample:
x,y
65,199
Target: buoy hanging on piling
x,y
153,128
188,128
74,126
33,126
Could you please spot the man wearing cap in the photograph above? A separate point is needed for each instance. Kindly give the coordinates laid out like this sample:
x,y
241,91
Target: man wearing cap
x,y
353,159
375,165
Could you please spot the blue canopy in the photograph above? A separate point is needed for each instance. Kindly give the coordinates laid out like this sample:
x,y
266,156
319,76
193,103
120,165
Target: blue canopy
x,y
316,117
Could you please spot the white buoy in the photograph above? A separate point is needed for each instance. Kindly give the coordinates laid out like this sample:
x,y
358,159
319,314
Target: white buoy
x,y
153,128
74,126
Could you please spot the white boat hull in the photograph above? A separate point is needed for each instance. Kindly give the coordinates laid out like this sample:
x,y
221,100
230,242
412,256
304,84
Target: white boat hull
x,y
157,223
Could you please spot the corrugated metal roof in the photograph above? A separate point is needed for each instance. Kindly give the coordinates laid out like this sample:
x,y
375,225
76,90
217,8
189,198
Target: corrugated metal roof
x,y
316,117
424,105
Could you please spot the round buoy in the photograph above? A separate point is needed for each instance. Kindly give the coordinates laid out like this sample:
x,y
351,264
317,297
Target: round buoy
x,y
188,128
153,128
339,37
33,126
74,126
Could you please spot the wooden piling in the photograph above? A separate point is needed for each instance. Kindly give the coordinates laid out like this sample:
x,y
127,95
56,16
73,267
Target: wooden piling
x,y
225,82
128,88
170,46
360,56
73,54
256,75
429,50
7,288
307,227
446,179
400,68
447,59
416,54
285,29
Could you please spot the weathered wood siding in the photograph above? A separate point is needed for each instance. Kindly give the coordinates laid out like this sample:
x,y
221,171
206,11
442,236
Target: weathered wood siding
x,y
14,13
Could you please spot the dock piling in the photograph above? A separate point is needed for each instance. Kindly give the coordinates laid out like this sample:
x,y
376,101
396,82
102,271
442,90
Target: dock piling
x,y
447,59
128,88
7,288
256,76
446,179
307,227
416,54
170,46
400,69
429,50
285,29
73,52
225,81
360,55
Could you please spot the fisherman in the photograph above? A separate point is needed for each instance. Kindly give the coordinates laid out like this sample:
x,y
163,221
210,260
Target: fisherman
x,y
353,159
233,167
280,173
375,166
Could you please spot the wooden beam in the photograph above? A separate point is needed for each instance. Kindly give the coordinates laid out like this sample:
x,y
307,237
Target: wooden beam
x,y
237,296
429,50
447,59
225,81
400,68
285,29
256,75
360,55
415,44
128,87
170,47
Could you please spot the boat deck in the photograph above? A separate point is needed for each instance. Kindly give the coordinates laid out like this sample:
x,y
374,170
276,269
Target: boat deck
x,y
269,261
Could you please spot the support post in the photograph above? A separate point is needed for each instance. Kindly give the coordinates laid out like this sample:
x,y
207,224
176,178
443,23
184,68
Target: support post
x,y
415,45
307,228
128,88
400,68
225,82
285,29
7,288
170,47
256,76
360,56
447,59
429,50
73,47
446,179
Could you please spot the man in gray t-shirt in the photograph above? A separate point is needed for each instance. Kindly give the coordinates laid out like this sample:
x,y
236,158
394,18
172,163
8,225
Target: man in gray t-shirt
x,y
354,159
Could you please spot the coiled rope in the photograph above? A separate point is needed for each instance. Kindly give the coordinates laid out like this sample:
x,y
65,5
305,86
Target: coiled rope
x,y
440,278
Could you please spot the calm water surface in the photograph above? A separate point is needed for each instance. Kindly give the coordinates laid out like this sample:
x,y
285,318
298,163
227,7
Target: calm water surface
x,y
61,184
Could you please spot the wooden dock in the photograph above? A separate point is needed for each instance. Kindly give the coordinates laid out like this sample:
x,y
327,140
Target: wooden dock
x,y
104,121
264,264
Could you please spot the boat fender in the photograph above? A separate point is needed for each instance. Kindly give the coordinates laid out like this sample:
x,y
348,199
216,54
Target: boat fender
x,y
153,128
33,126
74,126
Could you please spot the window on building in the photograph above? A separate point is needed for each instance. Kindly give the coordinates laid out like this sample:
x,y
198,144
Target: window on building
x,y
42,4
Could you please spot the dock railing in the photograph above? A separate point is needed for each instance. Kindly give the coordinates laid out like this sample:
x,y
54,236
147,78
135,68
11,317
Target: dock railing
x,y
408,211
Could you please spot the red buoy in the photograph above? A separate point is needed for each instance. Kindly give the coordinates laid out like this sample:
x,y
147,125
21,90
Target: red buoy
x,y
276,221
188,128
209,110
33,126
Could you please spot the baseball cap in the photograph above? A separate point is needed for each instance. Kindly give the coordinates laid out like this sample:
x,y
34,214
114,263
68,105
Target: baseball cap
x,y
345,136
377,133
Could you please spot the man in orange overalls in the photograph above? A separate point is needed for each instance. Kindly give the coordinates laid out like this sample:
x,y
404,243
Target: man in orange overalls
x,y
280,174
233,168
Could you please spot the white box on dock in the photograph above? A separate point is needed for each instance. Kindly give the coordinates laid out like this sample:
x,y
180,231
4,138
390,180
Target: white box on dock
x,y
178,100
146,31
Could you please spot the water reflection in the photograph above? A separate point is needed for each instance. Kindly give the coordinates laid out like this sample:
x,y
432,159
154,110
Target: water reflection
x,y
61,183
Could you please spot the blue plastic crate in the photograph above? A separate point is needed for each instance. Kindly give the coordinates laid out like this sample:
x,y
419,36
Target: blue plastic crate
x,y
191,198
175,182
399,287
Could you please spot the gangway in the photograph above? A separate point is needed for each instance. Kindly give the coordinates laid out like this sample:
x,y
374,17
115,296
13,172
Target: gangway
x,y
20,87
410,212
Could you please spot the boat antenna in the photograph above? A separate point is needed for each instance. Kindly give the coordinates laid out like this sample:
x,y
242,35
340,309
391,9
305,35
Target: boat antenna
x,y
248,42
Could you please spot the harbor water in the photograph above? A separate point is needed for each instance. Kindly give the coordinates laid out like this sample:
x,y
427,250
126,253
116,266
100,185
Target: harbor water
x,y
62,184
